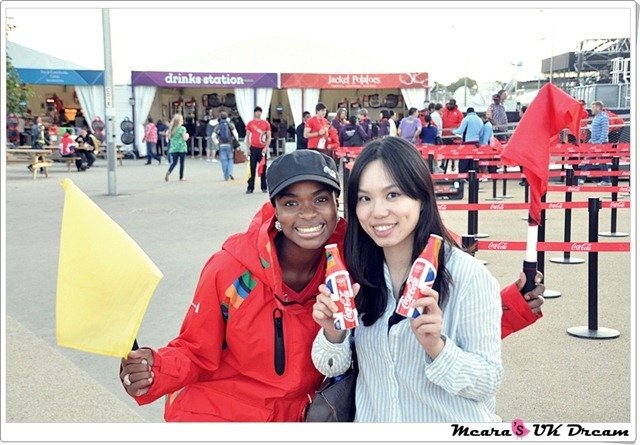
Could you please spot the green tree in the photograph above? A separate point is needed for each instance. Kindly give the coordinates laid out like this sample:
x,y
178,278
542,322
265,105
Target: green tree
x,y
17,93
460,83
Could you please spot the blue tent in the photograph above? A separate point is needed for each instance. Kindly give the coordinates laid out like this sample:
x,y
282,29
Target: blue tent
x,y
36,68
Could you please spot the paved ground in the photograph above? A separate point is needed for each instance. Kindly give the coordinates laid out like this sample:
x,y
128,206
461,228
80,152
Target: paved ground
x,y
549,375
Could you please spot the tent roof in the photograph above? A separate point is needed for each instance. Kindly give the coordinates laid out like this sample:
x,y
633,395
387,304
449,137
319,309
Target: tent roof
x,y
286,55
23,57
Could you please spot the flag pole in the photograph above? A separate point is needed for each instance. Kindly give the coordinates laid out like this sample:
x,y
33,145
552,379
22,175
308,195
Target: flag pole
x,y
530,263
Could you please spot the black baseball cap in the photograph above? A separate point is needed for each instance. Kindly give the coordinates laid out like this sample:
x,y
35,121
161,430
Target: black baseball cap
x,y
301,165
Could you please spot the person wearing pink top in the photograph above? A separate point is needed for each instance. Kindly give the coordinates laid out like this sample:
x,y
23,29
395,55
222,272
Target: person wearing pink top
x,y
151,138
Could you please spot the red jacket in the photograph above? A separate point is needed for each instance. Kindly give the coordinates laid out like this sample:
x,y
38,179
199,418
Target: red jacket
x,y
615,121
450,119
221,367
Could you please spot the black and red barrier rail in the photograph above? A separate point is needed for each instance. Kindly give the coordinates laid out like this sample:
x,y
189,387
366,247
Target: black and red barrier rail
x,y
554,246
593,248
444,206
469,151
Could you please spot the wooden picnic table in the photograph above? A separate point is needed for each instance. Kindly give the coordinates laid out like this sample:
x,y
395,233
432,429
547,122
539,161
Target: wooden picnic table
x,y
35,158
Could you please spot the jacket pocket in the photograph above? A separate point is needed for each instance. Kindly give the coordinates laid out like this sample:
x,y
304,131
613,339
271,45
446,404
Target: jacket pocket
x,y
200,403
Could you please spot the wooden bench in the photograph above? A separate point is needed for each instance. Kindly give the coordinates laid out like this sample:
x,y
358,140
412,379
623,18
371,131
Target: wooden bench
x,y
35,159
57,157
119,154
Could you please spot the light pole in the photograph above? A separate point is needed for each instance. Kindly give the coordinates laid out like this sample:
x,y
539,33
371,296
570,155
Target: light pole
x,y
515,66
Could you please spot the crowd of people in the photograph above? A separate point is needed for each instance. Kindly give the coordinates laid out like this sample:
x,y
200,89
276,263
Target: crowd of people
x,y
436,124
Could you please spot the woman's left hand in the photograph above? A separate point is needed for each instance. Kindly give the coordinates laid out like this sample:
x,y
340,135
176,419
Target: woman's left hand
x,y
428,327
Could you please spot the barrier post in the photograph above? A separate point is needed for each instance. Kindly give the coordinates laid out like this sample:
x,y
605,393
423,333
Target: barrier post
x,y
494,195
472,219
504,185
345,181
467,244
614,197
548,293
430,162
566,258
592,330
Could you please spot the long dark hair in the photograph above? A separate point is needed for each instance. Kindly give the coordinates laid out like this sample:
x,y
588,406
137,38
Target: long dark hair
x,y
363,256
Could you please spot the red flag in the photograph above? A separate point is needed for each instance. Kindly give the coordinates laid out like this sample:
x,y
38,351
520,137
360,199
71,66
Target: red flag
x,y
551,111
261,165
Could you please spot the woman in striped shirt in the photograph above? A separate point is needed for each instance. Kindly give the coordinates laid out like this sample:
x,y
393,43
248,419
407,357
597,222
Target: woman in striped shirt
x,y
443,366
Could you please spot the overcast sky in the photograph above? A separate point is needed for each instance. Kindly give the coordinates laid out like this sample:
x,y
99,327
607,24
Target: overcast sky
x,y
449,38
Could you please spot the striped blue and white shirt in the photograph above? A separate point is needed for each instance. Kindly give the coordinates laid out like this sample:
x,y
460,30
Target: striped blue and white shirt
x,y
399,382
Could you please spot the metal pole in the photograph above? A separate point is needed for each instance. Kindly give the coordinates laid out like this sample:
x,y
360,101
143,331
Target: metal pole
x,y
110,111
568,196
592,330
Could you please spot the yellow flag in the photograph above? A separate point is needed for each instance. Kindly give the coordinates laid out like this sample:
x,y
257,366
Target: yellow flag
x,y
105,280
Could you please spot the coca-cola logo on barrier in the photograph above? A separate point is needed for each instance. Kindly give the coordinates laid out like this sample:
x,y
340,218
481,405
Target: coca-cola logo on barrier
x,y
618,204
581,247
556,205
573,188
498,245
496,207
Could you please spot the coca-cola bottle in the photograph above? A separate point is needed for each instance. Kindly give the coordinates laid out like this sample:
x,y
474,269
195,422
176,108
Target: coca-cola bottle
x,y
339,283
423,270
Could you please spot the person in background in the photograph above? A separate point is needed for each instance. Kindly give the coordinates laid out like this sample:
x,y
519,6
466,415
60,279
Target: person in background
x,y
365,123
443,366
340,120
37,134
393,127
178,137
79,121
486,133
69,149
384,127
410,127
436,118
85,148
498,115
161,145
451,118
599,135
212,147
469,129
316,129
301,141
258,139
429,132
352,134
223,138
151,139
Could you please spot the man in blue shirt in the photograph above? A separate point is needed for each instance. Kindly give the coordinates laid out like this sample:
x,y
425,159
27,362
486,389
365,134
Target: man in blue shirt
x,y
599,135
470,129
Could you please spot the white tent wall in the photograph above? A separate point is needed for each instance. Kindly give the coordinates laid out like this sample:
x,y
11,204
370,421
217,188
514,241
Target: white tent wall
x,y
144,96
92,100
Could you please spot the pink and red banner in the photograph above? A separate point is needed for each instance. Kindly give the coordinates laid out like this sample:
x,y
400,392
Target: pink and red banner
x,y
354,81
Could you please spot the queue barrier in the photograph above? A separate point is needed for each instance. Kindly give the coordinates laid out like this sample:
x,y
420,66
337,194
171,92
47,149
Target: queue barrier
x,y
593,247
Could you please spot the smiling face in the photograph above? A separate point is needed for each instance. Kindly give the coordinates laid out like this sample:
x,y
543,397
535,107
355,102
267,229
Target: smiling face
x,y
308,213
384,211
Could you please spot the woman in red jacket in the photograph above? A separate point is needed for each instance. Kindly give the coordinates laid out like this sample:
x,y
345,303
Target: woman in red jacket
x,y
244,348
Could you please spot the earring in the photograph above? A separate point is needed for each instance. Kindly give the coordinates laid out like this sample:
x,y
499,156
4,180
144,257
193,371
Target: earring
x,y
278,226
